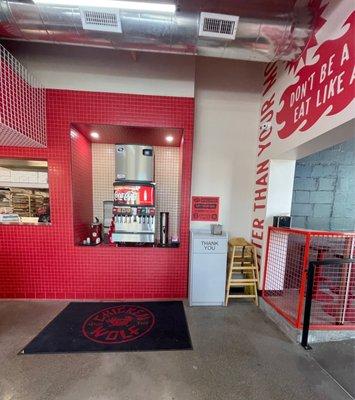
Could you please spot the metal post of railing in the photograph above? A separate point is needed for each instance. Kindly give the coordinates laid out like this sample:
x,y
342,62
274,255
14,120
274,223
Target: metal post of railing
x,y
309,293
308,305
348,280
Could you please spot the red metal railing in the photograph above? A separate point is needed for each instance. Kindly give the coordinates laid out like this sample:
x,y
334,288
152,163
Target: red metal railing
x,y
288,253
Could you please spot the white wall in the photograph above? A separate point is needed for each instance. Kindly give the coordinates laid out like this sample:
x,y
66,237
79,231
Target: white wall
x,y
227,97
279,197
279,200
103,70
331,138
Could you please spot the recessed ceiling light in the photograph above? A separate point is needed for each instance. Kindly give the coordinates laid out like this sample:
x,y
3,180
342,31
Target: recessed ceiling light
x,y
124,5
94,135
169,139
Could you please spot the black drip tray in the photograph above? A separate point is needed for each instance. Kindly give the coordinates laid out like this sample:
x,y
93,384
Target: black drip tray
x,y
128,244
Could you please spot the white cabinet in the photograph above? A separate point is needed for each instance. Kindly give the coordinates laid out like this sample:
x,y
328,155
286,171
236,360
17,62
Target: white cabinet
x,y
208,261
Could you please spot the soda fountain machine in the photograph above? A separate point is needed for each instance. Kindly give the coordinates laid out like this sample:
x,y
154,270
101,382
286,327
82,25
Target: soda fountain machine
x,y
134,195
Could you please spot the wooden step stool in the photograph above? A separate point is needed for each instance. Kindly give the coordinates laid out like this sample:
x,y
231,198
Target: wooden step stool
x,y
242,270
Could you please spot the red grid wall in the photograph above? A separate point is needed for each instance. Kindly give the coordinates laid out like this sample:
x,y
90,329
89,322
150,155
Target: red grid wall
x,y
22,105
82,185
42,261
288,254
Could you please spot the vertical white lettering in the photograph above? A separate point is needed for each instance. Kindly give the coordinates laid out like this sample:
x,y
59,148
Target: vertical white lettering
x,y
292,99
330,64
331,88
345,54
323,73
311,79
340,86
352,77
307,104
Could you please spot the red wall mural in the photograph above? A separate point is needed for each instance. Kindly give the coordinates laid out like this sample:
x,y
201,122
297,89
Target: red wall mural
x,y
304,99
42,261
324,87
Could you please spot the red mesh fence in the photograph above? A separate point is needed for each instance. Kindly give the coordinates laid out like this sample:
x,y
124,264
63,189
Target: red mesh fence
x,y
333,296
288,254
283,279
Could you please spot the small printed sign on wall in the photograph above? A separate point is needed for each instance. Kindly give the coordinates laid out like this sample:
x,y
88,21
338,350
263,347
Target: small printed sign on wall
x,y
205,208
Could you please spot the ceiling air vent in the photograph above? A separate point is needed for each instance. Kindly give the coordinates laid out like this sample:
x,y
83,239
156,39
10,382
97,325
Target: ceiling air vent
x,y
101,19
218,25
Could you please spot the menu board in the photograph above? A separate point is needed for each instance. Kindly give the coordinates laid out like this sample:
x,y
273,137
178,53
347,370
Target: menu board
x,y
205,208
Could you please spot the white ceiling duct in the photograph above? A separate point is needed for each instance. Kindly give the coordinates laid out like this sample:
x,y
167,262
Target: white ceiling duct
x,y
259,30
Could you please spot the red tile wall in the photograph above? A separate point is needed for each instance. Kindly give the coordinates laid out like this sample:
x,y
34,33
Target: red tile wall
x,y
82,187
42,261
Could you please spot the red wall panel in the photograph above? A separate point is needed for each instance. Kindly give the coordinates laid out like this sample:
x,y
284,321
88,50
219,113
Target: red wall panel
x,y
42,261
81,162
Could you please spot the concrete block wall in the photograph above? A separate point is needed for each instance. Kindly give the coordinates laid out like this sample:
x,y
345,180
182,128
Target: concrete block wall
x,y
324,189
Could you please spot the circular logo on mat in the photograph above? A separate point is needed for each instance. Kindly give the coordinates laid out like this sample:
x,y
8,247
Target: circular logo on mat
x,y
118,324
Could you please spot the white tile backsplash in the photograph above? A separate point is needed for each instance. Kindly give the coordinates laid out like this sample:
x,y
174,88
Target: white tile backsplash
x,y
167,179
